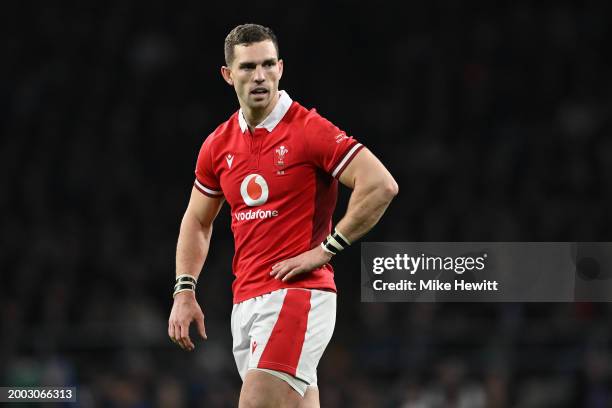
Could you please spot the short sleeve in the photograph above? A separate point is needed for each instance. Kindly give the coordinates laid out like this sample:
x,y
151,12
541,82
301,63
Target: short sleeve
x,y
330,148
206,180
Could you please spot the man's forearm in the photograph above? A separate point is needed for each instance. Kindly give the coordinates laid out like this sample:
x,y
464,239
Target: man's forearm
x,y
192,246
366,205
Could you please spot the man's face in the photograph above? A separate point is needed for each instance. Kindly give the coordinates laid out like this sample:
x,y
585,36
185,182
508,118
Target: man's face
x,y
254,74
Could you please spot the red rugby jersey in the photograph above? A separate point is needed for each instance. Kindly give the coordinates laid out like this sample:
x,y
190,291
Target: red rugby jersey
x,y
281,184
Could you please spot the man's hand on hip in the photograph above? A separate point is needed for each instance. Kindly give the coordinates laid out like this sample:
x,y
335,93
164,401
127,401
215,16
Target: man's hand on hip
x,y
185,310
302,263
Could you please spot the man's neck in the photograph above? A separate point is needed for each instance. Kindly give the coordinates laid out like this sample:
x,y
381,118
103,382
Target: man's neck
x,y
255,117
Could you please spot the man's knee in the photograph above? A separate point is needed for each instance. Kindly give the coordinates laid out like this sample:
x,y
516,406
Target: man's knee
x,y
263,390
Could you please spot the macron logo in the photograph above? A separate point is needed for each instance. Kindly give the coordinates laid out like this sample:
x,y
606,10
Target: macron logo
x,y
229,159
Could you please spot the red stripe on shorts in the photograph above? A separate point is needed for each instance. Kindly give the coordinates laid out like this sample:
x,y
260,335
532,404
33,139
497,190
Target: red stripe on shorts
x,y
285,344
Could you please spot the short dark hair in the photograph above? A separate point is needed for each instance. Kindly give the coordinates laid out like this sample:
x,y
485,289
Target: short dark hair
x,y
247,34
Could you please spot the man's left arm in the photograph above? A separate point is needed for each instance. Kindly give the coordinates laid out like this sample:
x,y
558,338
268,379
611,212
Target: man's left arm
x,y
373,189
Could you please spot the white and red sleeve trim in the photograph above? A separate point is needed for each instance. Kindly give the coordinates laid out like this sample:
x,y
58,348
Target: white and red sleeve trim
x,y
207,191
346,159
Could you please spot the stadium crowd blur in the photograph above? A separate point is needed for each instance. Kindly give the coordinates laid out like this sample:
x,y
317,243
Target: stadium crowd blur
x,y
495,121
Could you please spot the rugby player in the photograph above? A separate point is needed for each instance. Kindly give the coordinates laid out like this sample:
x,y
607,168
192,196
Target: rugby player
x,y
277,164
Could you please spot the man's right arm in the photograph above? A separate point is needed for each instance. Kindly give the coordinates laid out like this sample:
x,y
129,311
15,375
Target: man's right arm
x,y
191,252
195,233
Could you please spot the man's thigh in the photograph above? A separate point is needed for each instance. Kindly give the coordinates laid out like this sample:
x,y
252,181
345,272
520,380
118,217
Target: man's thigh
x,y
262,390
311,398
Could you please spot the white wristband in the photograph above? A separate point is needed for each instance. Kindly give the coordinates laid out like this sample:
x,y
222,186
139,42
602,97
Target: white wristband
x,y
329,251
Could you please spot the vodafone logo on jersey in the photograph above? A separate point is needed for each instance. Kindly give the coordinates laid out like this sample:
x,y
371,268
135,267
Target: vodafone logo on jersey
x,y
254,190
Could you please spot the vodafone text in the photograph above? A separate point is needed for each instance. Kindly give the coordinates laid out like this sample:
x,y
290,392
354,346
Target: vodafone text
x,y
255,215
458,264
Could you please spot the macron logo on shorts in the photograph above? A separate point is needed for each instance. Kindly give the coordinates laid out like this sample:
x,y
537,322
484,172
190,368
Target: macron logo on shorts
x,y
253,347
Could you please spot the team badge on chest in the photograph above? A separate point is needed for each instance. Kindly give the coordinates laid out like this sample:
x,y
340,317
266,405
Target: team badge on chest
x,y
280,159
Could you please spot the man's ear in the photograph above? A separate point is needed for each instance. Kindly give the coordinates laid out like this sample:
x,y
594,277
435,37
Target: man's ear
x,y
226,73
280,68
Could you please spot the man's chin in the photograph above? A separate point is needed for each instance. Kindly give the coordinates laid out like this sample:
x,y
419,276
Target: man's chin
x,y
259,102
259,99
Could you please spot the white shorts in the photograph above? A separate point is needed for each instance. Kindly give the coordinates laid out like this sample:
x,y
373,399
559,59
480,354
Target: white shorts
x,y
284,332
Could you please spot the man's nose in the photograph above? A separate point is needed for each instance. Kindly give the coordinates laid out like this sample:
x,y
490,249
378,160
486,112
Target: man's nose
x,y
259,74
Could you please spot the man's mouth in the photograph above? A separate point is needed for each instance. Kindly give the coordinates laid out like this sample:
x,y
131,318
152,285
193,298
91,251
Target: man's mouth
x,y
259,91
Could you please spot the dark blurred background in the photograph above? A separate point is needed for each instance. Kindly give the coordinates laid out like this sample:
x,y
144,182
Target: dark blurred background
x,y
493,118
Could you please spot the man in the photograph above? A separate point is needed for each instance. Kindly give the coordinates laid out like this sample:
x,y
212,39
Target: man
x,y
277,164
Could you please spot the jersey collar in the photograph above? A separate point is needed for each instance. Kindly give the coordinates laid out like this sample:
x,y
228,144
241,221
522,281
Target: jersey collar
x,y
282,106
